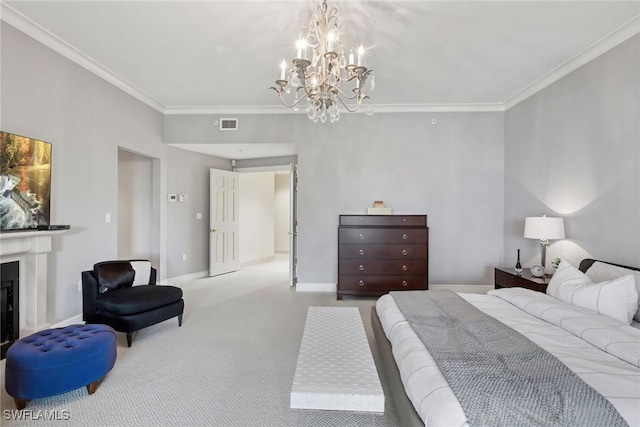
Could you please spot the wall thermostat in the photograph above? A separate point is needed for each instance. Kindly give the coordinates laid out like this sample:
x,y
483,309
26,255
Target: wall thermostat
x,y
184,198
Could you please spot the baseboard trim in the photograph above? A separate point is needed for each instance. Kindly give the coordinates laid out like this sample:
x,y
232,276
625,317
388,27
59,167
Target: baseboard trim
x,y
316,287
70,321
257,261
281,251
471,289
185,278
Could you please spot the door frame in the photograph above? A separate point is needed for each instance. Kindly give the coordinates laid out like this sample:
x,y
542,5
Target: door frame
x,y
282,168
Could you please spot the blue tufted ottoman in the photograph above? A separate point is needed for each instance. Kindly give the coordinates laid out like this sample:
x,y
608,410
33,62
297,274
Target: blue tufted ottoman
x,y
56,361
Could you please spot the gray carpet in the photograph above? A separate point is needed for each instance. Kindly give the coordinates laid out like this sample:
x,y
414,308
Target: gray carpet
x,y
230,364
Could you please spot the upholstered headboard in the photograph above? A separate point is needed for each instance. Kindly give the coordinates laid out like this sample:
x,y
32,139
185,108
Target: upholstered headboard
x,y
588,262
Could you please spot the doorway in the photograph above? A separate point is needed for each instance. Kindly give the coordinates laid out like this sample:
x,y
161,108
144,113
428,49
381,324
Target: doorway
x,y
266,211
135,202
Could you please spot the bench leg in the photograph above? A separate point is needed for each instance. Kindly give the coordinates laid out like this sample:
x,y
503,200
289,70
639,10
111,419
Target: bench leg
x,y
92,387
20,403
180,320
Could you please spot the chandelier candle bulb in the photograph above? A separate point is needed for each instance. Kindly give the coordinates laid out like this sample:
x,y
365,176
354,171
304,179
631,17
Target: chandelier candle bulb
x,y
330,38
360,54
283,68
351,57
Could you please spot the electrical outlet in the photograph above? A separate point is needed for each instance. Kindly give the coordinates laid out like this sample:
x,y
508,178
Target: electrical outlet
x,y
199,215
79,285
184,257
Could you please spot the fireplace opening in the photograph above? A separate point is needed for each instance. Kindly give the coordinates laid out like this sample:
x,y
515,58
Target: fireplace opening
x,y
9,305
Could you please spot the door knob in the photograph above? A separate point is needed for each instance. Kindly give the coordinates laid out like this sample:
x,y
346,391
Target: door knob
x,y
213,230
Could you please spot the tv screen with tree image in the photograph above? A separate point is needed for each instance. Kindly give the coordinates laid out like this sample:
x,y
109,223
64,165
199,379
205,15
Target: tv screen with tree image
x,y
25,182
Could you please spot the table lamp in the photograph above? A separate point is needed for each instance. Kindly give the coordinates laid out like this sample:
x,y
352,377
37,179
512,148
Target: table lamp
x,y
543,228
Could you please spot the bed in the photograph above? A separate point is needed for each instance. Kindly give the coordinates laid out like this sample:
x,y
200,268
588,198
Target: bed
x,y
602,351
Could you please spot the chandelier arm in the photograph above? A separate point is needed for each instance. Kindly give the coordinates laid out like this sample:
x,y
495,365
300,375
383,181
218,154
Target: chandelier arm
x,y
281,96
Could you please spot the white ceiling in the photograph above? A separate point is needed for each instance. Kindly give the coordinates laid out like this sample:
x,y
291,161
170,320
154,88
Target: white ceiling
x,y
221,56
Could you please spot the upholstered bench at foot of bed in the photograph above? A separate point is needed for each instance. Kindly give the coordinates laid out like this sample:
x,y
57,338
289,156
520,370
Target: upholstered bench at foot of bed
x,y
55,361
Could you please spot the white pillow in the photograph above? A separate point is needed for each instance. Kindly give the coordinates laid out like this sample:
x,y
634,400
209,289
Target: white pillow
x,y
143,272
566,274
617,298
600,271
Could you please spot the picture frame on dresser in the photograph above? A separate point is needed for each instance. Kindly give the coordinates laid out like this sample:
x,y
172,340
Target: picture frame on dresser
x,y
382,253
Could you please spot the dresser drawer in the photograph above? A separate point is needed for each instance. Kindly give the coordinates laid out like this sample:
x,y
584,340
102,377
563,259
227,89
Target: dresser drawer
x,y
383,235
382,267
504,280
382,251
381,283
384,220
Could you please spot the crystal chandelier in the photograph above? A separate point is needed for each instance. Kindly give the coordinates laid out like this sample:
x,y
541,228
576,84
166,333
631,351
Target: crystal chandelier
x,y
316,78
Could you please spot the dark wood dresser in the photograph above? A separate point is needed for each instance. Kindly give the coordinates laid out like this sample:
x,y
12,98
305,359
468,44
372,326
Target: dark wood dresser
x,y
382,253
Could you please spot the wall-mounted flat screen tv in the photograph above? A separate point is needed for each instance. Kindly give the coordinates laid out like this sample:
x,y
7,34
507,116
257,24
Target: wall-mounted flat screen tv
x,y
25,182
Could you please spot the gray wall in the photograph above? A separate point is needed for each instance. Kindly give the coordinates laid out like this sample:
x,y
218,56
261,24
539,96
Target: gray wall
x,y
188,173
573,150
48,97
452,171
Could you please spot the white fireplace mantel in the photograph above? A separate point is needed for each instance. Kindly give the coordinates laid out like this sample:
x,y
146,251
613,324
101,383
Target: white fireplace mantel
x,y
30,248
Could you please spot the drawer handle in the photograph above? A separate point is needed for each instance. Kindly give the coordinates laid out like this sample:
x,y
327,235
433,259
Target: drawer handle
x,y
361,283
361,236
404,237
404,252
404,268
404,283
361,251
361,267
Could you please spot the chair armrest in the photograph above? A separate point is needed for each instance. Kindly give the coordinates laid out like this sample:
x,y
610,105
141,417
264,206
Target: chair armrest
x,y
152,278
89,295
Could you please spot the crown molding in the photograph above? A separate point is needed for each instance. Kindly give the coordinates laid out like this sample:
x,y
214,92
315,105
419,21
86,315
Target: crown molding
x,y
377,108
611,40
17,20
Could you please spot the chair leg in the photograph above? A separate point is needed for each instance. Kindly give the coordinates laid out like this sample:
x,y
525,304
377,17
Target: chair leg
x,y
180,320
92,387
129,338
20,403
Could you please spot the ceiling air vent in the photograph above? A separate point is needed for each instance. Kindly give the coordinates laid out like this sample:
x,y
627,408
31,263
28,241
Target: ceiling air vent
x,y
228,124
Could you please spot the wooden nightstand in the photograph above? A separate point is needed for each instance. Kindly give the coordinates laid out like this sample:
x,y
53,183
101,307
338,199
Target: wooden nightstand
x,y
508,278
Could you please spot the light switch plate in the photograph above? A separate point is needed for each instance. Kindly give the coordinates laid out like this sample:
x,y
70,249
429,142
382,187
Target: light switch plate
x,y
172,197
184,198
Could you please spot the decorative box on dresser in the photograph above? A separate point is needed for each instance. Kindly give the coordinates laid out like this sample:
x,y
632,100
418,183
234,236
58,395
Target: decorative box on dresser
x,y
382,253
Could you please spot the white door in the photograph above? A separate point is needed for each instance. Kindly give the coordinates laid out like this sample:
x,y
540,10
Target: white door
x,y
223,222
293,225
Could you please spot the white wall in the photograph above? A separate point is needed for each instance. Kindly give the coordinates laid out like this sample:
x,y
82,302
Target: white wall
x,y
257,216
573,150
135,183
281,238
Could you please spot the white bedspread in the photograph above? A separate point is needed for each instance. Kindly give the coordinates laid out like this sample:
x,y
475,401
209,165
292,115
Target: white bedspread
x,y
602,351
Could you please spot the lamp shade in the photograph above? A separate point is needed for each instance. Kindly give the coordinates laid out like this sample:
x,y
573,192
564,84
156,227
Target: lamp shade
x,y
543,227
